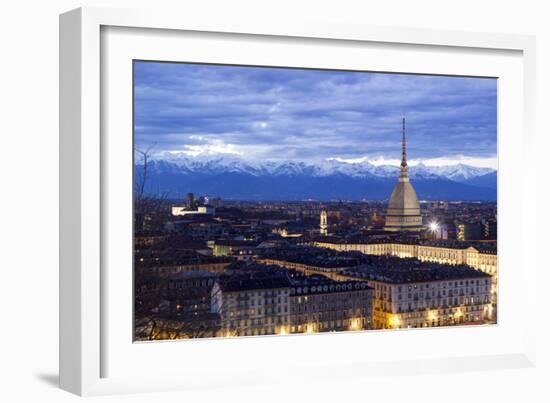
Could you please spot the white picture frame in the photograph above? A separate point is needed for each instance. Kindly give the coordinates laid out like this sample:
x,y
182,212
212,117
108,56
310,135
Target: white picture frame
x,y
86,332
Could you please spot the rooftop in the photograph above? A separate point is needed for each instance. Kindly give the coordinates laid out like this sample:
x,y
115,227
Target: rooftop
x,y
307,285
253,280
407,270
485,247
151,259
319,257
192,274
237,243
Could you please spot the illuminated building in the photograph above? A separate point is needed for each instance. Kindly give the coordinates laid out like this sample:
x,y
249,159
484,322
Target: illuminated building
x,y
403,208
292,229
436,230
251,304
419,294
193,207
324,223
230,247
482,257
318,304
200,210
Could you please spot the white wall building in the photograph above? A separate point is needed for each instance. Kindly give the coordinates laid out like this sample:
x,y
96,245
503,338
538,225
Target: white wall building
x,y
184,210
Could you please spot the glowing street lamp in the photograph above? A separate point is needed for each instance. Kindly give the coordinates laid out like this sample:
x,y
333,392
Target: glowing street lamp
x,y
355,324
434,228
394,321
432,315
458,314
229,333
282,331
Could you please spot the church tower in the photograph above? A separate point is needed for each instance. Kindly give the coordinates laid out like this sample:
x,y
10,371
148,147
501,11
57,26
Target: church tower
x,y
403,208
323,225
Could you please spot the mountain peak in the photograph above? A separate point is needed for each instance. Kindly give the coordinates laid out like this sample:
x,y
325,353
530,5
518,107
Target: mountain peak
x,y
363,168
233,177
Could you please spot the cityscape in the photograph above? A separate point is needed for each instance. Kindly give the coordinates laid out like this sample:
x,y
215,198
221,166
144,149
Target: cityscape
x,y
240,231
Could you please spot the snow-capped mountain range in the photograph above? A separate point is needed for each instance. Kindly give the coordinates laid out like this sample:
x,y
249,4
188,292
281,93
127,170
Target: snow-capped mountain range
x,y
329,179
458,172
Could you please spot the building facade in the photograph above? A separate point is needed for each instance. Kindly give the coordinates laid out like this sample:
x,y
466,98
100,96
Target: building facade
x,y
252,304
432,304
160,268
326,305
409,293
483,258
200,210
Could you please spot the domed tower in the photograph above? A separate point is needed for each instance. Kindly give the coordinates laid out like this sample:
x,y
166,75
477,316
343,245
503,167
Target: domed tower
x,y
403,209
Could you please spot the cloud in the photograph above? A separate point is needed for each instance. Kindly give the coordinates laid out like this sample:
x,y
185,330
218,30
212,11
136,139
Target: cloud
x,y
210,147
312,114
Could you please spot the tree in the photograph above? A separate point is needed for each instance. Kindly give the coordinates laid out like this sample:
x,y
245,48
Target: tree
x,y
146,203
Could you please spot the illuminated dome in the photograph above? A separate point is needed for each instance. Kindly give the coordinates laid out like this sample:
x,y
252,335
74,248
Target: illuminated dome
x,y
403,209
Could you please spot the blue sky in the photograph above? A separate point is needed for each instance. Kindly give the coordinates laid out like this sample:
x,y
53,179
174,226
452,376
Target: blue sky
x,y
257,113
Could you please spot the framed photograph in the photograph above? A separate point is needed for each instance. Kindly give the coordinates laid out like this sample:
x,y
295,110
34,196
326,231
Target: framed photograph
x,y
252,194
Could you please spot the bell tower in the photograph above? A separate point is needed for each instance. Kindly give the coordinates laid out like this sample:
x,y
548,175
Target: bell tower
x,y
323,225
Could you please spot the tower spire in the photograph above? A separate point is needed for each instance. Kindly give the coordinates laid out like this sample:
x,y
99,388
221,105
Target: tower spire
x,y
404,147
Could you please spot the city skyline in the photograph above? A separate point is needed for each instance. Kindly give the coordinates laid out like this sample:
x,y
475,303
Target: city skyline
x,y
259,113
257,212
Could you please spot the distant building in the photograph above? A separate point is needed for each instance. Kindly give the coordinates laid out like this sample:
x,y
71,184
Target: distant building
x,y
184,210
376,221
403,208
187,292
479,256
323,225
482,256
215,201
148,239
451,229
194,206
437,231
169,264
293,229
252,304
191,201
312,261
231,247
469,231
489,229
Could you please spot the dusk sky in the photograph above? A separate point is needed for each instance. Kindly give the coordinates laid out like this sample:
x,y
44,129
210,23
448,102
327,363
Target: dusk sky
x,y
260,113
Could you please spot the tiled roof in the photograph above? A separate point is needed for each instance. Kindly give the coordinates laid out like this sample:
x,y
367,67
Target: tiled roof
x,y
253,281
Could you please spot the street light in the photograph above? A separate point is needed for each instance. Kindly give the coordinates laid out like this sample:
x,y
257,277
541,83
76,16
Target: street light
x,y
282,331
434,226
